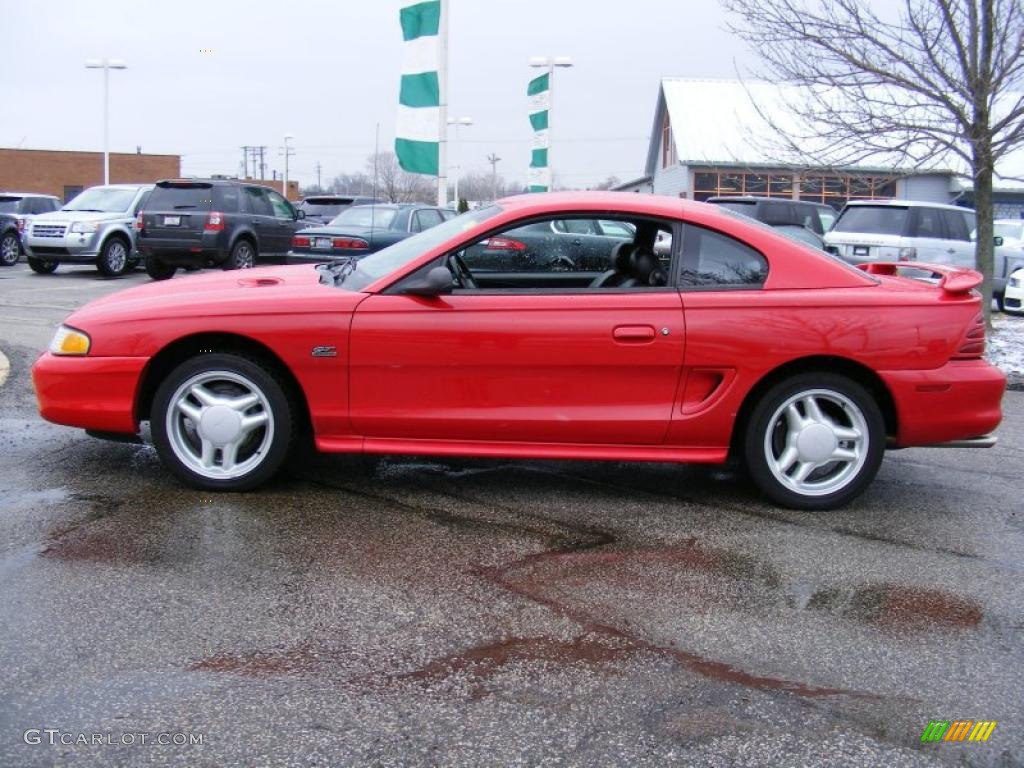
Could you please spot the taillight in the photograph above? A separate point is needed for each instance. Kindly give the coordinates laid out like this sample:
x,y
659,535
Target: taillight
x,y
300,242
504,244
350,243
972,345
214,222
140,223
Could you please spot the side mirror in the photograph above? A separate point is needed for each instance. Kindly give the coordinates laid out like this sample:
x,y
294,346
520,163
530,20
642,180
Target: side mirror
x,y
436,282
300,214
998,240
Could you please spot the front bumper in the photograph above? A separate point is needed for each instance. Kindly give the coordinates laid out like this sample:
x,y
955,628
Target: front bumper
x,y
70,247
1013,300
960,400
96,393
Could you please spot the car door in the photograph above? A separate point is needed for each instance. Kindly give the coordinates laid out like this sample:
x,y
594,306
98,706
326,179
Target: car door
x,y
285,224
928,236
530,365
261,215
960,249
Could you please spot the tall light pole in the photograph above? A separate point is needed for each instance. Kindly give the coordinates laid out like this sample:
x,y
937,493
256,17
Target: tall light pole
x,y
288,152
458,122
106,65
549,63
493,159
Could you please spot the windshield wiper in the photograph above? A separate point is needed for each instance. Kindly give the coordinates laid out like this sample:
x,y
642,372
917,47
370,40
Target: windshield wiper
x,y
342,268
85,210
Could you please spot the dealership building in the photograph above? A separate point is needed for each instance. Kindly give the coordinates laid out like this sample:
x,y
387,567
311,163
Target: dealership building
x,y
708,138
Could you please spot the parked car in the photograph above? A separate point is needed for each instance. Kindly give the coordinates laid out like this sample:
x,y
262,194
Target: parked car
x,y
16,210
364,229
321,209
905,230
781,212
94,227
567,245
748,345
1012,302
195,223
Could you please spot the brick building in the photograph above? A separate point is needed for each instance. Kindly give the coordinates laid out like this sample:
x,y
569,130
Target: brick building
x,y
65,174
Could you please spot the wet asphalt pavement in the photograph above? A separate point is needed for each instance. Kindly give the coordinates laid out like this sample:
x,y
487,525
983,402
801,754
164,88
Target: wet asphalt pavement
x,y
424,612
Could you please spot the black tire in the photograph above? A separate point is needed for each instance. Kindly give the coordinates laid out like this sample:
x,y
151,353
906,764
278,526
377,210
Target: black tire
x,y
167,431
10,249
157,270
114,258
777,453
1000,298
42,266
243,256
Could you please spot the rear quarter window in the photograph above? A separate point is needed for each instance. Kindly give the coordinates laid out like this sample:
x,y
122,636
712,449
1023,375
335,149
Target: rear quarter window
x,y
713,260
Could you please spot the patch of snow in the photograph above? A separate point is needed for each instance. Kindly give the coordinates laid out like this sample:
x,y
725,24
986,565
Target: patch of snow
x,y
1005,348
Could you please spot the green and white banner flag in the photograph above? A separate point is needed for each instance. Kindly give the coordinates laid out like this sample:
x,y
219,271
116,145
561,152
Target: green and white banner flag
x,y
539,175
418,132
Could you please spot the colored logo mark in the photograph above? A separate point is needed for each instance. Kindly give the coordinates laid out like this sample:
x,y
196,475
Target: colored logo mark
x,y
958,730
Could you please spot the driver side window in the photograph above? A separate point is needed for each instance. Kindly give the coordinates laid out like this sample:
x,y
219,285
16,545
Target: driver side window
x,y
568,252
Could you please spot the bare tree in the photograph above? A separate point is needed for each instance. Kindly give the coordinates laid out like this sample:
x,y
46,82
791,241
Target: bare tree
x,y
933,82
395,185
352,183
608,183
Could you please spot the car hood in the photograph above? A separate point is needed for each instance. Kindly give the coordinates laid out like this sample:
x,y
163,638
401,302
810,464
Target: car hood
x,y
262,291
73,216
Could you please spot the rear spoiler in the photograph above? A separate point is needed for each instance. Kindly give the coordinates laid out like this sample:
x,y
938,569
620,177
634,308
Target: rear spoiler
x,y
951,279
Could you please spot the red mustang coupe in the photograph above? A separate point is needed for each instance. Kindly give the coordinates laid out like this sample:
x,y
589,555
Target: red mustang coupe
x,y
706,335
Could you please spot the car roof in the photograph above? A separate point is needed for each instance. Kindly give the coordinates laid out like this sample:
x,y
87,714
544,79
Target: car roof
x,y
905,204
758,199
4,193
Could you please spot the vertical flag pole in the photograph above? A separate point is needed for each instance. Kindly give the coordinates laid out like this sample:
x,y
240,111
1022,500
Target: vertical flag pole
x,y
442,83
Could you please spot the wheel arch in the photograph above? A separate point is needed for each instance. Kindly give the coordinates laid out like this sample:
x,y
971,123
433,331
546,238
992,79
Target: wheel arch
x,y
187,347
247,235
824,363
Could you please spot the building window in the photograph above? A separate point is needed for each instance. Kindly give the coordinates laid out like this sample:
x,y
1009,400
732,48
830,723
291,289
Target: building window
x,y
831,189
668,144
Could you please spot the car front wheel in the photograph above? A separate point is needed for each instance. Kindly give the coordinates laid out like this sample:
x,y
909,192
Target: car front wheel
x,y
243,256
113,258
815,441
222,422
10,249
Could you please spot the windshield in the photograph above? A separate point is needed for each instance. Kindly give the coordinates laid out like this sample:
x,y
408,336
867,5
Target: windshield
x,y
386,261
872,220
9,204
365,216
1010,229
106,199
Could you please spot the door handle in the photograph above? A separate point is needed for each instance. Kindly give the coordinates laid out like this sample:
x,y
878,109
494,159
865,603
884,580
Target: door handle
x,y
633,333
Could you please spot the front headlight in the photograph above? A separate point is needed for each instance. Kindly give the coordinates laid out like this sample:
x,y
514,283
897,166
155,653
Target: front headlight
x,y
85,227
68,341
1014,282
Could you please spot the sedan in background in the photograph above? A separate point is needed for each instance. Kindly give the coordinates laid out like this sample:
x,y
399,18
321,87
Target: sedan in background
x,y
745,345
364,229
321,209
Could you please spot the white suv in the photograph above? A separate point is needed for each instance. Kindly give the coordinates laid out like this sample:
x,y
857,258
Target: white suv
x,y
905,230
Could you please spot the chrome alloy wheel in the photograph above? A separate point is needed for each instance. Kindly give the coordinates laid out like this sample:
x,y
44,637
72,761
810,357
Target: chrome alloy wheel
x,y
9,250
116,257
817,442
219,424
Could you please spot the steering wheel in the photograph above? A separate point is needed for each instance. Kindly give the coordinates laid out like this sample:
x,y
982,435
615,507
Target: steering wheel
x,y
462,273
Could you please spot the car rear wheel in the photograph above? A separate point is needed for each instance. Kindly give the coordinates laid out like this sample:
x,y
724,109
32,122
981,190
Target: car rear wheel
x,y
10,249
222,422
42,266
157,270
814,441
113,258
243,256
1001,302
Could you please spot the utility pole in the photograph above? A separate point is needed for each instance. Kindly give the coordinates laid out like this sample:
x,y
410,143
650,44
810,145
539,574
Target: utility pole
x,y
287,151
493,159
318,176
245,161
263,164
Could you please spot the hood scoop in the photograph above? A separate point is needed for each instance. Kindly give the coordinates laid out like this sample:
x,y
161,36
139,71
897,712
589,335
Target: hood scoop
x,y
260,282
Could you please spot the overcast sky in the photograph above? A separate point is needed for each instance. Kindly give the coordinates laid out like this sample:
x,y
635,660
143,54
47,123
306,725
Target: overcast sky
x,y
327,71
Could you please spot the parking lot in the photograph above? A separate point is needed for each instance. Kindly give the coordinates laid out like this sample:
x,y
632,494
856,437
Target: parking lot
x,y
437,612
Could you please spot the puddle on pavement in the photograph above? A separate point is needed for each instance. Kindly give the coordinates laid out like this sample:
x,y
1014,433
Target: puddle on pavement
x,y
899,607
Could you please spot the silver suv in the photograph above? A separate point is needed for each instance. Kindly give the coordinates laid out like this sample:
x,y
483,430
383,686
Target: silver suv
x,y
96,227
905,230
